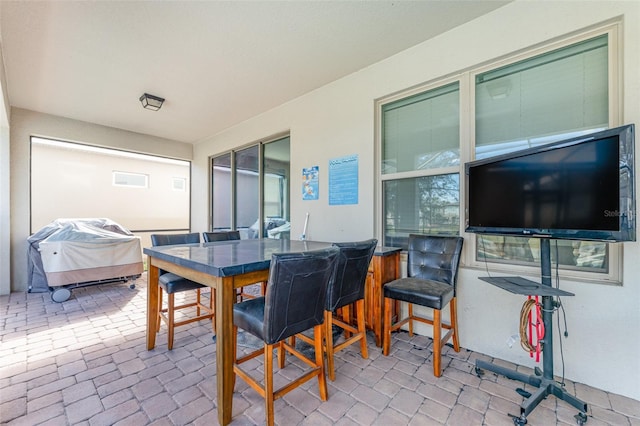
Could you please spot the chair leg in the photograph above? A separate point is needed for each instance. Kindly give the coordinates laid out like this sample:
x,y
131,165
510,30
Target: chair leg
x,y
386,333
410,309
170,314
268,383
356,332
362,328
437,342
159,320
282,354
346,317
235,354
322,380
454,323
198,302
212,306
328,324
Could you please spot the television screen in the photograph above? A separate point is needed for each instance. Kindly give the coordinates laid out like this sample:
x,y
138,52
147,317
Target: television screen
x,y
580,188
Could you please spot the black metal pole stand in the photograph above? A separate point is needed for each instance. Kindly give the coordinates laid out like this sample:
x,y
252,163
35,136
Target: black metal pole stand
x,y
542,380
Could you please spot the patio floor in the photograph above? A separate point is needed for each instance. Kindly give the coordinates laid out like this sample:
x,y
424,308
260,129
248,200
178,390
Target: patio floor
x,y
84,362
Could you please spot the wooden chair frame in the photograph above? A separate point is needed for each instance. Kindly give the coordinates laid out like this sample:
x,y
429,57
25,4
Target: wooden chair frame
x,y
353,334
266,390
167,315
438,339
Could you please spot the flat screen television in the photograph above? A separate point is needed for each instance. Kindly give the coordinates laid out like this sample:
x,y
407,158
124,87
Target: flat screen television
x,y
580,188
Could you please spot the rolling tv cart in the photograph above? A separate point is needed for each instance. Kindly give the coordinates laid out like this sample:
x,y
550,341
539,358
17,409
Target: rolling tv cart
x,y
543,380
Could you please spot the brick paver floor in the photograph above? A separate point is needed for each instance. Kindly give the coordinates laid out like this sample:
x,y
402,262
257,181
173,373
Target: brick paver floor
x,y
84,362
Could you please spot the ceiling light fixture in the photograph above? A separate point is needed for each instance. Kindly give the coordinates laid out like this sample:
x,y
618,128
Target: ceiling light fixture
x,y
151,102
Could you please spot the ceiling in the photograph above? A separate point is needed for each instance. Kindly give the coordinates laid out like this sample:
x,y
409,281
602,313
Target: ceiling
x,y
216,63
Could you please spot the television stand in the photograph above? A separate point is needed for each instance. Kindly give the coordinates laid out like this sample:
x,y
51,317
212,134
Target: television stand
x,y
543,380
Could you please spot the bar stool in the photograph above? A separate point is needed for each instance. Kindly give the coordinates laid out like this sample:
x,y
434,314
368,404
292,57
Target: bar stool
x,y
171,284
294,302
432,272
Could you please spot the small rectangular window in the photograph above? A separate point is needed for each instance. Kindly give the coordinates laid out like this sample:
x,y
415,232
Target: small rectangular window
x,y
133,180
179,184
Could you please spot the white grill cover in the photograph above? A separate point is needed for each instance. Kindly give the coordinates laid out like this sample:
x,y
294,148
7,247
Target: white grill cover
x,y
83,250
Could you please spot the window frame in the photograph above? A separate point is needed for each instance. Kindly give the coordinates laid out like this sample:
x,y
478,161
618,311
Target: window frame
x,y
466,79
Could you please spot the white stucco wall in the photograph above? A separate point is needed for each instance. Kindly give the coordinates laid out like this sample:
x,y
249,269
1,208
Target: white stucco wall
x,y
83,181
338,119
5,223
25,124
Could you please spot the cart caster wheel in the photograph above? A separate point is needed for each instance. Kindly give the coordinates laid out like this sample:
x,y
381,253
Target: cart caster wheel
x,y
581,418
519,421
61,295
479,372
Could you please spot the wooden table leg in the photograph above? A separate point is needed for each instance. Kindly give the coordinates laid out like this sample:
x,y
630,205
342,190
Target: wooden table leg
x,y
152,303
378,298
225,297
385,269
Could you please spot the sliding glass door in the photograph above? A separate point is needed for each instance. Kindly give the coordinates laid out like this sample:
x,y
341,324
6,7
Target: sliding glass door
x,y
250,190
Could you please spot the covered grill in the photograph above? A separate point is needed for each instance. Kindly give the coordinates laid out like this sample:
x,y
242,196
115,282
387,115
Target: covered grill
x,y
70,253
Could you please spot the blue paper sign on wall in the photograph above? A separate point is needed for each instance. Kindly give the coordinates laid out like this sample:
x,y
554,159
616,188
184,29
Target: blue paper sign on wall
x,y
343,180
310,183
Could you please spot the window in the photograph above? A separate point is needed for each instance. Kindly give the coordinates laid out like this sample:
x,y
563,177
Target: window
x,y
247,189
551,96
420,164
179,184
563,90
221,192
556,95
276,181
133,180
250,190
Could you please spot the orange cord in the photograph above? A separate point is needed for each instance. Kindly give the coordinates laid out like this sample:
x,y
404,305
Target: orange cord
x,y
527,321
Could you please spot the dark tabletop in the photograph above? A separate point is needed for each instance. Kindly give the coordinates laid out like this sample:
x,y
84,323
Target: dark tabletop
x,y
228,258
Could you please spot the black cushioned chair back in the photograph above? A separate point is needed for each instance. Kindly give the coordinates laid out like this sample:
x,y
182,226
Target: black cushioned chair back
x,y
434,258
220,236
171,239
210,237
296,292
351,273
